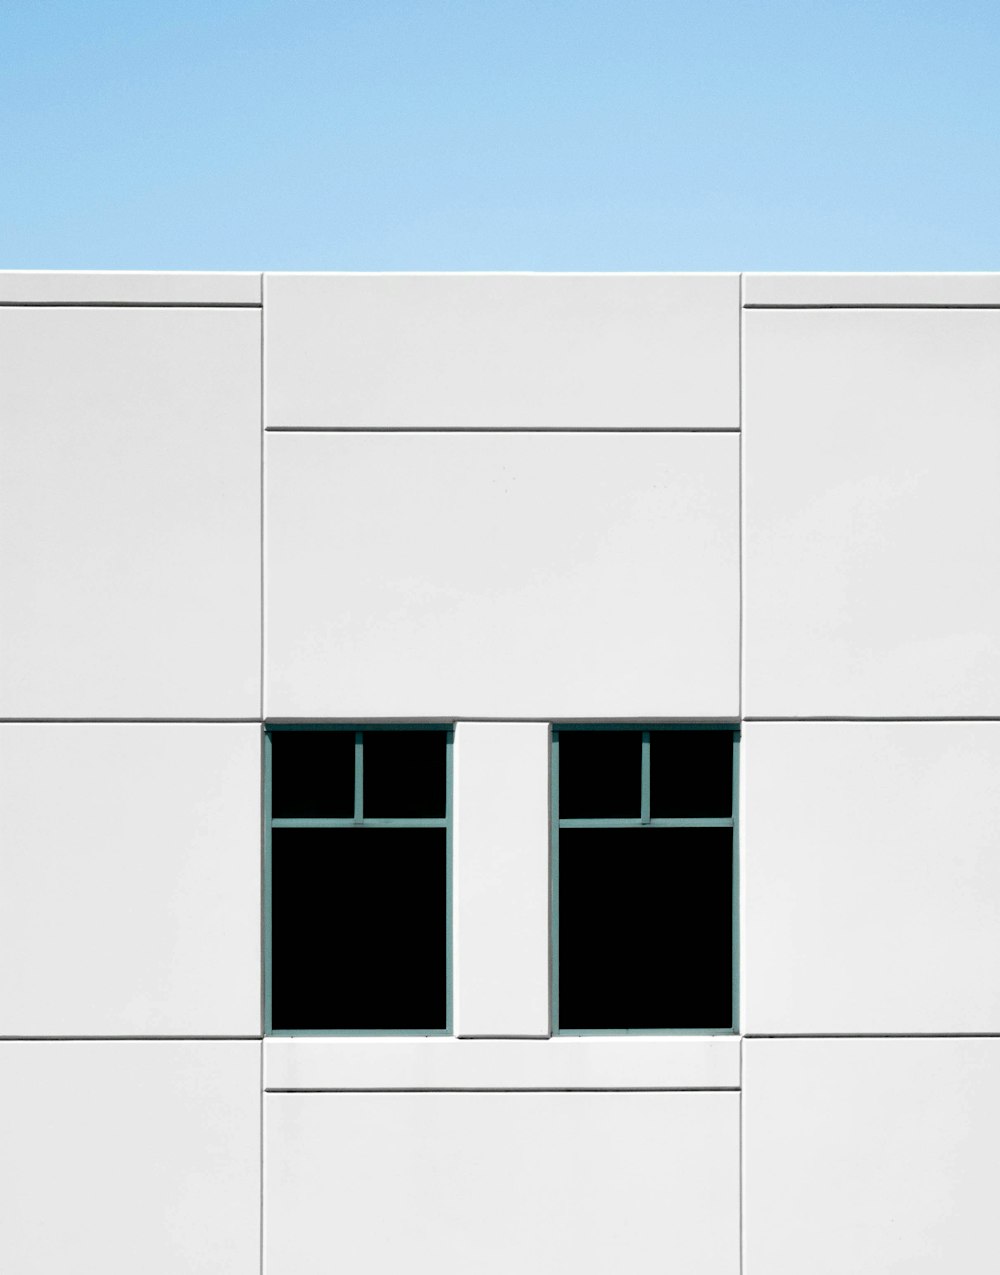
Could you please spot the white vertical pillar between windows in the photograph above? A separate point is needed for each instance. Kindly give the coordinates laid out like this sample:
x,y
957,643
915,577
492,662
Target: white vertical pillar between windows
x,y
501,857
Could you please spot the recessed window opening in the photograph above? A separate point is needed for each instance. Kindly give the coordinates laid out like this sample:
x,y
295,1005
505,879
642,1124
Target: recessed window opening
x,y
644,902
357,930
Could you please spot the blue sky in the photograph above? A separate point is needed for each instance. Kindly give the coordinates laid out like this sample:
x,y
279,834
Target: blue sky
x,y
791,135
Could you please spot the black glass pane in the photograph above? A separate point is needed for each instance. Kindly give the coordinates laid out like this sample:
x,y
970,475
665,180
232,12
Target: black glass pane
x,y
600,774
405,774
690,774
358,928
312,774
645,928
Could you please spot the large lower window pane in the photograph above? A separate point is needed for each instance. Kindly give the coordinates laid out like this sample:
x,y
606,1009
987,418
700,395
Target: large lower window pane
x,y
358,929
645,928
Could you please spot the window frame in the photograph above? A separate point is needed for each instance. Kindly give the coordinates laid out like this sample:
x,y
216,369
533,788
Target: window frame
x,y
643,821
358,821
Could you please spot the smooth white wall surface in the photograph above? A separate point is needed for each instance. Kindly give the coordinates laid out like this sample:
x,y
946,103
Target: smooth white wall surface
x,y
501,851
496,1182
129,287
501,575
872,524
129,879
870,1156
129,512
502,351
126,1156
499,497
563,1062
875,289
871,877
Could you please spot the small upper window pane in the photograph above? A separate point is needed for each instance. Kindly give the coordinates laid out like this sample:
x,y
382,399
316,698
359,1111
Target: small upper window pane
x,y
691,774
404,774
600,774
312,774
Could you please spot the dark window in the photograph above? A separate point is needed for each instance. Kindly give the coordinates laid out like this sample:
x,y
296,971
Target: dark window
x,y
644,904
404,774
600,774
312,774
357,915
690,773
358,928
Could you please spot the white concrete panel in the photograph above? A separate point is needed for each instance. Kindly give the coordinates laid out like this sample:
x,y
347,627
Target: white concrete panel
x,y
129,512
128,287
871,289
129,879
872,527
502,575
870,1156
495,1183
564,1062
501,846
502,351
126,1156
871,877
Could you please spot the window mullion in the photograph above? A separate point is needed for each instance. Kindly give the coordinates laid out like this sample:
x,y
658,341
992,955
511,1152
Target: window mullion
x,y
359,777
644,797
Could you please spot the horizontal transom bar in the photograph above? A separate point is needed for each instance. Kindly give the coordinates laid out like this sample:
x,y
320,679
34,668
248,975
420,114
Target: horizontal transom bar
x,y
651,823
359,823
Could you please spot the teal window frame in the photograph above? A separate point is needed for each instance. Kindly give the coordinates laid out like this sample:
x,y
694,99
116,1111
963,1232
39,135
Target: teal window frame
x,y
643,821
357,821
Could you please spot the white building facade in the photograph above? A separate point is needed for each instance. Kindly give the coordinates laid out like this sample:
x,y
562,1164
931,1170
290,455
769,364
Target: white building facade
x,y
505,507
